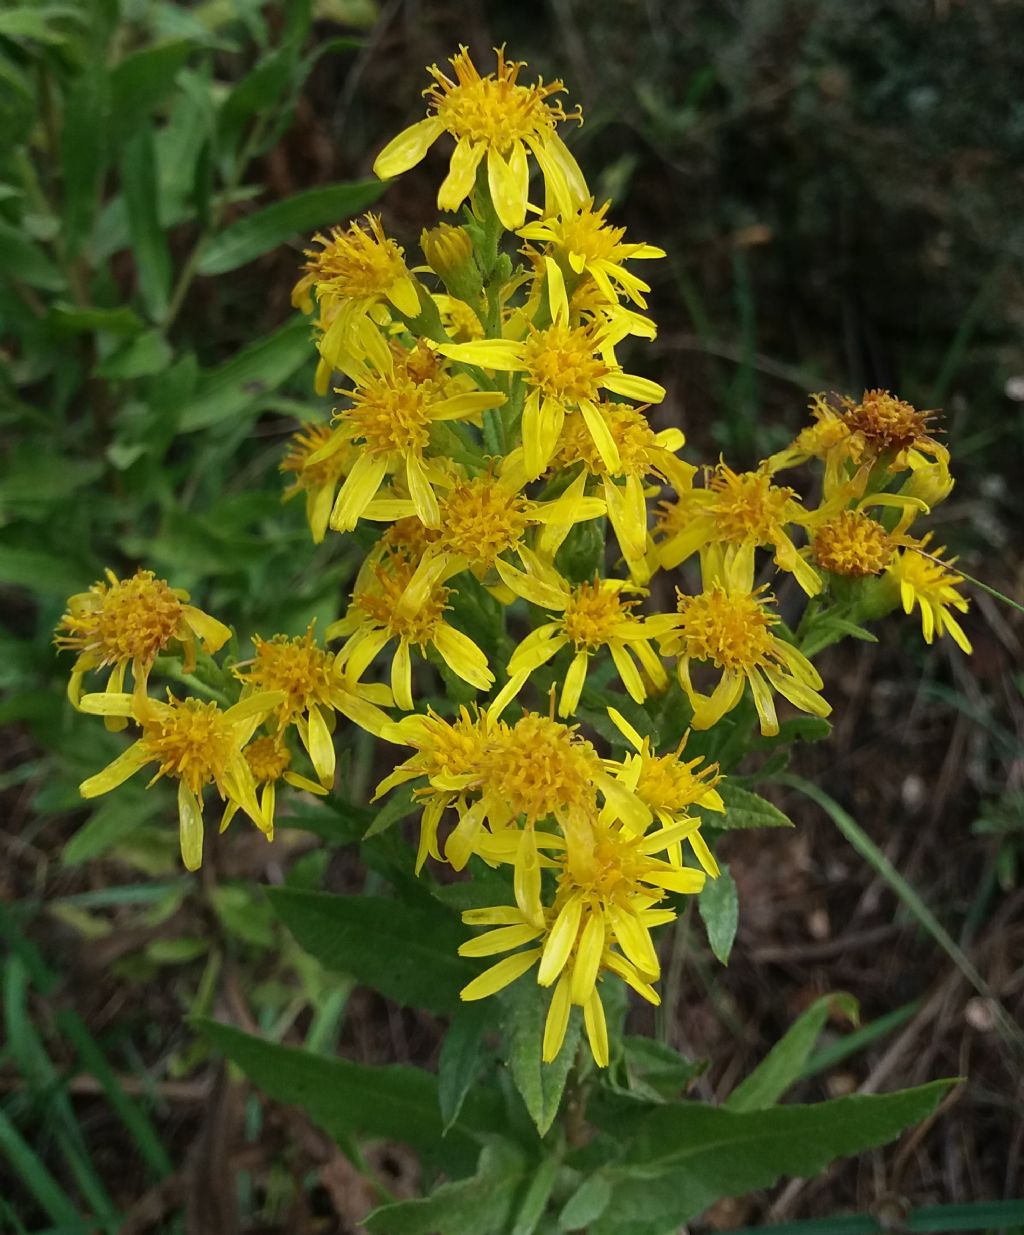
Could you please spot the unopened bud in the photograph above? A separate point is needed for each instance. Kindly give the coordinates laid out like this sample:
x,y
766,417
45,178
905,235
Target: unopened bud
x,y
449,253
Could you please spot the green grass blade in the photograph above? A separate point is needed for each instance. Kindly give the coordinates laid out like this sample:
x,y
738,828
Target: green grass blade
x,y
976,1216
910,897
34,1175
848,1045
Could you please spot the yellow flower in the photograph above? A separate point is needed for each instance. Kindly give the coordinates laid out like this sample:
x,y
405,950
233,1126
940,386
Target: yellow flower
x,y
594,616
319,481
606,903
669,786
643,454
195,742
497,118
565,369
853,544
448,756
530,772
591,246
313,685
390,420
730,625
483,517
356,268
127,623
930,583
374,620
269,761
738,511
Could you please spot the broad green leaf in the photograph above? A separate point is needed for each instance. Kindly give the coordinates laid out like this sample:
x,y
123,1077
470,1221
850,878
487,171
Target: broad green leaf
x,y
84,137
149,244
785,1062
399,805
142,80
744,809
459,1062
258,233
540,1084
142,356
480,1205
680,1159
403,951
720,910
43,571
346,1098
22,259
236,386
116,818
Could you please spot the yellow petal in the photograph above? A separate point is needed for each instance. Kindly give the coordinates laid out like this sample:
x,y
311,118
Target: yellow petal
x,y
557,1021
420,491
588,958
190,827
597,1028
458,184
359,489
502,939
509,185
463,657
211,633
500,354
560,941
641,389
321,746
602,436
115,773
408,148
572,687
500,975
401,677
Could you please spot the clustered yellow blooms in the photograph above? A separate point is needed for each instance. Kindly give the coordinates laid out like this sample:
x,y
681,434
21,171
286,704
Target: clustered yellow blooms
x,y
488,432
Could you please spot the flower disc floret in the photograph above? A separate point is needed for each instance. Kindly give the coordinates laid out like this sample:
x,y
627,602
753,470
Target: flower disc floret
x,y
268,758
852,544
541,769
482,518
885,422
356,263
561,364
298,667
733,631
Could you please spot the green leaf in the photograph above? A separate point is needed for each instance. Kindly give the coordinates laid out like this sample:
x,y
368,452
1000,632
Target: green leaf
x,y
405,952
680,1159
142,356
73,319
655,1071
149,244
346,1098
22,259
719,908
38,23
261,89
117,817
785,1062
42,571
744,809
480,1205
257,234
234,388
142,80
531,1208
86,123
540,1084
459,1063
399,805
586,1204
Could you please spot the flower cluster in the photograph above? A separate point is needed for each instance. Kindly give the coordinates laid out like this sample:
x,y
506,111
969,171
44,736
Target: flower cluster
x,y
486,433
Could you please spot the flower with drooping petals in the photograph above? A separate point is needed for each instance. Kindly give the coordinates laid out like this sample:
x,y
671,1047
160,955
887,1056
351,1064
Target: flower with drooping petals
x,y
497,119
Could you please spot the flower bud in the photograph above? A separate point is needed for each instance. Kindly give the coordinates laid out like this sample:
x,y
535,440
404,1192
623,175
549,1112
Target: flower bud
x,y
449,253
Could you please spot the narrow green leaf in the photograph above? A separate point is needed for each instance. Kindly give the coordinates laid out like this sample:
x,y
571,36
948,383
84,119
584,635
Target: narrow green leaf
x,y
910,897
86,124
974,1216
848,1045
346,1098
480,1204
785,1062
744,809
39,23
399,805
73,319
42,571
262,88
403,951
32,1173
586,1204
530,1209
459,1062
142,80
720,910
22,259
149,244
680,1158
236,386
257,234
540,1084
143,356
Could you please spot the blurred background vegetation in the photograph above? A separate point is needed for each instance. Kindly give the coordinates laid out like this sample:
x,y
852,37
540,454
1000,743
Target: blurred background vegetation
x,y
839,189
